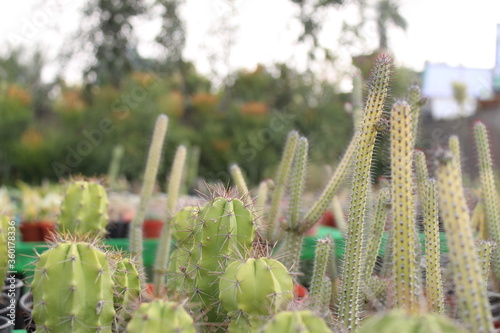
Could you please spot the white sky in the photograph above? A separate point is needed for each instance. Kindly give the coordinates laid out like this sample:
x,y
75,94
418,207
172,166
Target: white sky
x,y
457,32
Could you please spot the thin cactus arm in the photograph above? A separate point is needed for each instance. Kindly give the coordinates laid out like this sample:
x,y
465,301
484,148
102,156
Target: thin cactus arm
x,y
321,259
152,164
415,101
164,244
485,251
454,146
334,184
470,286
114,166
404,259
241,184
349,310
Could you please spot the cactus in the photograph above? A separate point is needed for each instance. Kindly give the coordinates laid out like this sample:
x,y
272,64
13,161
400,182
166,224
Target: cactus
x,y
350,294
484,252
469,282
241,184
222,230
398,321
434,282
127,289
163,251
84,209
296,322
256,287
161,316
321,259
454,146
415,103
489,193
404,256
150,173
114,166
73,289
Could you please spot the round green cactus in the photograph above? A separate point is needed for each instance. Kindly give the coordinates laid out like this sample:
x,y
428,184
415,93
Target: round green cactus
x,y
398,321
256,287
127,290
84,209
161,316
73,290
297,322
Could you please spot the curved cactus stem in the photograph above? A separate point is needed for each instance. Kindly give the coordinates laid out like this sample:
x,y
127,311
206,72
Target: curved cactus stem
x,y
292,246
338,212
404,253
350,294
152,164
377,230
241,184
489,193
484,252
280,183
470,285
434,281
164,244
336,180
321,258
260,203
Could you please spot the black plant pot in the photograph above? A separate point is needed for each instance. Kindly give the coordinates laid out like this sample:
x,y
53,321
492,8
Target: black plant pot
x,y
117,229
5,325
26,307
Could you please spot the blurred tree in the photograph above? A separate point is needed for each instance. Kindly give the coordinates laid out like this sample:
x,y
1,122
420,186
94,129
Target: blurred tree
x,y
388,13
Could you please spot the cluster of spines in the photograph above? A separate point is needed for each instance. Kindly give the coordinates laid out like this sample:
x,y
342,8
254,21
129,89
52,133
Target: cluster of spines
x,y
467,275
350,294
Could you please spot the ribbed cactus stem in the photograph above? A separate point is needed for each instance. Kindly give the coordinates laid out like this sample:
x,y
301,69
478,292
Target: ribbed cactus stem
x,y
414,101
260,202
164,244
334,184
321,257
454,146
326,293
485,251
434,282
152,164
488,192
294,238
377,229
351,288
241,184
421,173
280,183
193,162
470,285
338,212
404,257
114,166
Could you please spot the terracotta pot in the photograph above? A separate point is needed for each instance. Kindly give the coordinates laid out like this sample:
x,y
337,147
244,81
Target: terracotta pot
x,y
48,231
300,293
152,228
30,232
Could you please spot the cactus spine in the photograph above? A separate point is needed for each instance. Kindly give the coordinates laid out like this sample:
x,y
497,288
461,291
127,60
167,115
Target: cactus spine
x,y
161,316
350,295
470,286
321,258
152,164
127,290
174,183
434,282
292,246
84,209
404,257
73,289
484,252
489,193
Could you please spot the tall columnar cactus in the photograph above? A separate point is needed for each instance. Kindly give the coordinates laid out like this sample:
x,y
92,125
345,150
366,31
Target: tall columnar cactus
x,y
321,259
454,146
415,103
350,294
152,164
488,192
241,184
163,251
484,252
254,289
469,282
292,245
161,316
73,289
221,231
84,209
280,183
296,322
114,166
434,282
377,229
404,259
399,321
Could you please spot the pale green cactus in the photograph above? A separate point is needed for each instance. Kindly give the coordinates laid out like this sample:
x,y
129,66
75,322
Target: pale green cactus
x,y
454,146
321,259
127,289
467,275
415,102
296,322
241,184
351,290
114,166
485,252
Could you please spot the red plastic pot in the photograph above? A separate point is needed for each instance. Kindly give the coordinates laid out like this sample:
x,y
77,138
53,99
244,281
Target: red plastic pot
x,y
31,232
152,228
300,293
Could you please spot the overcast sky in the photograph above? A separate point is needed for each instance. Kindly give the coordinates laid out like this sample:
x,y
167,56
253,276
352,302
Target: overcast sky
x,y
457,32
